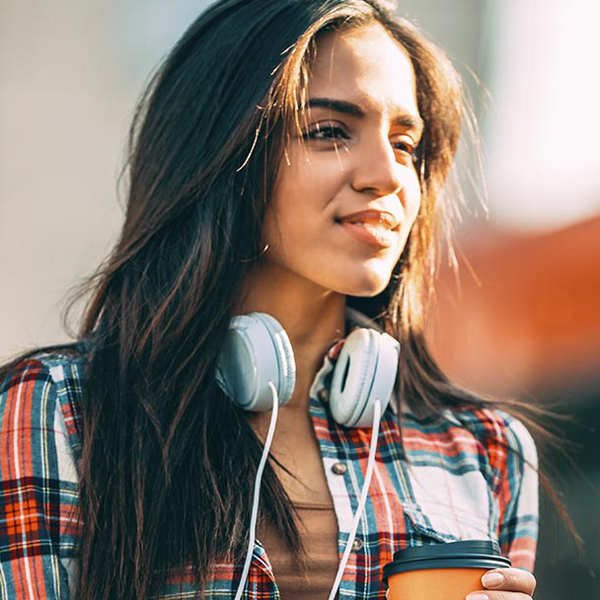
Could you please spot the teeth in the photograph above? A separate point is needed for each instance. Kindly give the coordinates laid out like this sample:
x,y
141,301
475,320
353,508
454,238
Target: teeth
x,y
371,226
377,231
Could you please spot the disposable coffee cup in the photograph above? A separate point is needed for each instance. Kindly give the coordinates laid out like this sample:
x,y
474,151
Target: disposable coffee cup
x,y
447,571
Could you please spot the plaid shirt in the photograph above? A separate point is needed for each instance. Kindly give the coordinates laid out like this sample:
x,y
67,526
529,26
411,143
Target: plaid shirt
x,y
450,480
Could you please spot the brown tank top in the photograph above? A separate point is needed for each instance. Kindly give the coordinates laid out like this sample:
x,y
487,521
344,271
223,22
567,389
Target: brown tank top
x,y
319,531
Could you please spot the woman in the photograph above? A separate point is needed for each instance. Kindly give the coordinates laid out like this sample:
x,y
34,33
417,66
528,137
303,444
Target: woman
x,y
288,159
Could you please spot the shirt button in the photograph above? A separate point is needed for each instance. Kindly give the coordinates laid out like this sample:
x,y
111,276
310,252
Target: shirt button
x,y
357,544
339,468
323,395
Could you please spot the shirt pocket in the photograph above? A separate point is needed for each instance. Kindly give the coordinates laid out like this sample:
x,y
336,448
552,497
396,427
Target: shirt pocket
x,y
449,507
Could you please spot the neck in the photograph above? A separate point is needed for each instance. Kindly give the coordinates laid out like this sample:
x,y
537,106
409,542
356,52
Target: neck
x,y
312,317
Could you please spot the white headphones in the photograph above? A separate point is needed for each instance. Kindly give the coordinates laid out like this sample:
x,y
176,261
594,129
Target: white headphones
x,y
257,350
258,372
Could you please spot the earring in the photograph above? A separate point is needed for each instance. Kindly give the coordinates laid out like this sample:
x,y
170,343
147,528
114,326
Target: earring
x,y
255,257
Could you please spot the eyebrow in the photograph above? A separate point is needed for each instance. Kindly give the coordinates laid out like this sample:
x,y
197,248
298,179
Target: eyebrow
x,y
349,108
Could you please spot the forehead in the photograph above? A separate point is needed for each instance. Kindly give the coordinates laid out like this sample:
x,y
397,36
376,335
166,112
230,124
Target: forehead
x,y
365,65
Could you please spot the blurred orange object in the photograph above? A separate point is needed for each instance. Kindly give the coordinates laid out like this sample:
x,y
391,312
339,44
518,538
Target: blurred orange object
x,y
527,315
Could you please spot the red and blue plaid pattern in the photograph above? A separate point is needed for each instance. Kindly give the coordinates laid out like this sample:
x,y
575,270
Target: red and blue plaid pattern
x,y
451,479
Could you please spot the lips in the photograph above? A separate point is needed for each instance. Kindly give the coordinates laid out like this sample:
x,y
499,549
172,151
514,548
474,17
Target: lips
x,y
374,227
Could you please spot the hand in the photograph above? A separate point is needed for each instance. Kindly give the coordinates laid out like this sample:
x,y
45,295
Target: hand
x,y
505,584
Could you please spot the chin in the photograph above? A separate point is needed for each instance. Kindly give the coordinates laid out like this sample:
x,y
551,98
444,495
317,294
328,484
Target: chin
x,y
366,287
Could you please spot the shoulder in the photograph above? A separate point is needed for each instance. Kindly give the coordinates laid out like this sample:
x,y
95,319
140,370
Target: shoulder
x,y
493,426
38,365
42,393
503,439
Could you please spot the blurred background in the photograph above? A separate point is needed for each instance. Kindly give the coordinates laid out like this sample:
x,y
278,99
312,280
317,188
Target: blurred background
x,y
522,319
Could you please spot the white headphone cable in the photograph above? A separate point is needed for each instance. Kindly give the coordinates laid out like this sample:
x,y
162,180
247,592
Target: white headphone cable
x,y
357,515
256,500
363,498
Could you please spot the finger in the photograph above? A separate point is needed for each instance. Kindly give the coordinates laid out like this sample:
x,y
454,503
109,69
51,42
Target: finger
x,y
489,595
511,580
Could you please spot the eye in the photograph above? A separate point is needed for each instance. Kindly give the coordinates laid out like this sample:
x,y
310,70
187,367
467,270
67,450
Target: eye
x,y
326,132
405,146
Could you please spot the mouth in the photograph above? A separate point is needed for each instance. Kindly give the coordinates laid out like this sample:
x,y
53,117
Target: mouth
x,y
377,228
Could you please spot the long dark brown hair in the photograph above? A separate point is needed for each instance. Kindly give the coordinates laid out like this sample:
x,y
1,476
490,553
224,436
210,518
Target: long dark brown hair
x,y
168,463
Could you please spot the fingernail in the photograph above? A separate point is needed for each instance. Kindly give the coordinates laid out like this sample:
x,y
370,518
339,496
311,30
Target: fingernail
x,y
478,596
492,579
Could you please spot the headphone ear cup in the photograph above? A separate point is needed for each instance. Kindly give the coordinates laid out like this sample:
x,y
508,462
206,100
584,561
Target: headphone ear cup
x,y
256,350
286,364
365,371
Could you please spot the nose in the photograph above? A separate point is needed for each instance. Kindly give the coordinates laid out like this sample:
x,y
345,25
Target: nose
x,y
377,170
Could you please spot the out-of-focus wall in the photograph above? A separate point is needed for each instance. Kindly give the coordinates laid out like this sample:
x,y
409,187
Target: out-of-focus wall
x,y
70,73
544,162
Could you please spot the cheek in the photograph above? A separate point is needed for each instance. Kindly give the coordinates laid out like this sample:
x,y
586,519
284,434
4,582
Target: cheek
x,y
413,195
291,228
301,205
411,202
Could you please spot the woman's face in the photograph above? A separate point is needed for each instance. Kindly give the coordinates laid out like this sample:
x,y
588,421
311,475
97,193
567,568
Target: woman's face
x,y
348,193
